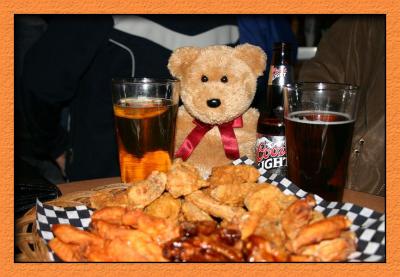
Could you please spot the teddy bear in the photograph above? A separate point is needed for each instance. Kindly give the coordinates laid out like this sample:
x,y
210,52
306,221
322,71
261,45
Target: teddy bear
x,y
215,124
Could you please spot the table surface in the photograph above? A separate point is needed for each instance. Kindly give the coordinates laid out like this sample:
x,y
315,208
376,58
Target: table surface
x,y
374,202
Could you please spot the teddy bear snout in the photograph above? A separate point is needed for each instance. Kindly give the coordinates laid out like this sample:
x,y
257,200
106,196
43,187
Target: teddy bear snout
x,y
213,103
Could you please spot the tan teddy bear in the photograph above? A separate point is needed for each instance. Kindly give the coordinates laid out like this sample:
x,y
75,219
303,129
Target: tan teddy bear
x,y
215,124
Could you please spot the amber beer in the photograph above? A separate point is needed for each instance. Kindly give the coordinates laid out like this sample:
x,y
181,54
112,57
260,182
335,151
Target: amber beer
x,y
145,130
319,120
318,146
145,111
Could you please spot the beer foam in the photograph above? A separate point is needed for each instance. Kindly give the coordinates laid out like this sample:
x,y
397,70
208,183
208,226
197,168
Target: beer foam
x,y
294,118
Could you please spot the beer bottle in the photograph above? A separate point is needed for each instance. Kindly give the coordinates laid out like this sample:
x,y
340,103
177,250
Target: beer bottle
x,y
271,143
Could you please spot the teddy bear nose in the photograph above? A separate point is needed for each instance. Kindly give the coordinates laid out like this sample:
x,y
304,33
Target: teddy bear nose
x,y
213,103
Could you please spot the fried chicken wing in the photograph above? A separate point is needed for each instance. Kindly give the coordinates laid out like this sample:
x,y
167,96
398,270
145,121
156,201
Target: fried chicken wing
x,y
66,251
108,230
211,206
144,192
272,232
328,228
183,179
134,245
98,254
302,258
110,214
70,234
165,207
233,174
265,200
334,250
316,216
297,215
246,224
159,229
286,200
232,194
107,198
193,213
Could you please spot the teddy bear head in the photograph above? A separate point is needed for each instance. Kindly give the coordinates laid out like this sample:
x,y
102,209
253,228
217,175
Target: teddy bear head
x,y
218,82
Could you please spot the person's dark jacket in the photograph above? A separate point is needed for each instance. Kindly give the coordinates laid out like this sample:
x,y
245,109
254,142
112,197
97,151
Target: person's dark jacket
x,y
353,51
72,65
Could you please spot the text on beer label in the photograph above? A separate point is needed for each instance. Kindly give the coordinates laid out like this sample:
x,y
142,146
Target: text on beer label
x,y
277,72
271,152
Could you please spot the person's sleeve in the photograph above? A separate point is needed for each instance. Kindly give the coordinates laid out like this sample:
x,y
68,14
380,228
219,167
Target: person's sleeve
x,y
329,63
53,68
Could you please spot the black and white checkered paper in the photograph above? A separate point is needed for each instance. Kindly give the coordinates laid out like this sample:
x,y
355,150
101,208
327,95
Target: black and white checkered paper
x,y
368,225
47,215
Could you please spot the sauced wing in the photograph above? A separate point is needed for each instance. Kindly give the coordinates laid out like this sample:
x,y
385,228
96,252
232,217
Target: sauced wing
x,y
258,249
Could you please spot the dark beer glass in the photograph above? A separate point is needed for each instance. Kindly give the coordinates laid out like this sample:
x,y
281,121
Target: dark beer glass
x,y
319,122
145,113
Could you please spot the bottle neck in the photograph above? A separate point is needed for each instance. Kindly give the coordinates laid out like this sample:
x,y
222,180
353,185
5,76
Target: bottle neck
x,y
281,69
282,54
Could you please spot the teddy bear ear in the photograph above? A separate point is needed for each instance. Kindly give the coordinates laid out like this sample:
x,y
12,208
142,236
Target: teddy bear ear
x,y
180,59
253,56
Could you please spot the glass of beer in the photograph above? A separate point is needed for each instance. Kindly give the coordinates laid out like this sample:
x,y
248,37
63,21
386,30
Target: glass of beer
x,y
145,113
319,122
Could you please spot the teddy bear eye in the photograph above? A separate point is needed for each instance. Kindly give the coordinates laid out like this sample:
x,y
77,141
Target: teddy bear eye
x,y
204,78
224,79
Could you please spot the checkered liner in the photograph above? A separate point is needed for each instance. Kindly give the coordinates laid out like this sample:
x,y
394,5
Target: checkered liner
x,y
47,215
368,225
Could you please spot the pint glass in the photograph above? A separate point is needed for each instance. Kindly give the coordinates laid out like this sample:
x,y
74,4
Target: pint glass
x,y
145,113
319,121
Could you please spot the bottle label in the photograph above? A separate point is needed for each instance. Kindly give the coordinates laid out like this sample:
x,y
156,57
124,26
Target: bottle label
x,y
271,152
278,75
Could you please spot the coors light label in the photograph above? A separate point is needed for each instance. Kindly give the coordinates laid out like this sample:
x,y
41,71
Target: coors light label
x,y
271,153
278,75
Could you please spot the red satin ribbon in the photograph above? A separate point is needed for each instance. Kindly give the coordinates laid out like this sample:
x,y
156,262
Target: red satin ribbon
x,y
228,138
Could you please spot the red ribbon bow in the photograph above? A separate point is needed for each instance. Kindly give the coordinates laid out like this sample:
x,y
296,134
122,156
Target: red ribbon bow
x,y
228,138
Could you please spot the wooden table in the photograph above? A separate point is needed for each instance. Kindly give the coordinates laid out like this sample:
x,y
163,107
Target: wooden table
x,y
376,203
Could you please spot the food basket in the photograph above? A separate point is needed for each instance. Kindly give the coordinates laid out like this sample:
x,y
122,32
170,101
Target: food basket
x,y
29,246
368,225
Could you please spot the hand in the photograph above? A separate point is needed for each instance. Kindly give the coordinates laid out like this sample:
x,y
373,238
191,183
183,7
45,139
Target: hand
x,y
61,163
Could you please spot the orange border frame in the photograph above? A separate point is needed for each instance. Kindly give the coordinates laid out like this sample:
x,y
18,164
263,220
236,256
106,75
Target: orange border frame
x,y
10,7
